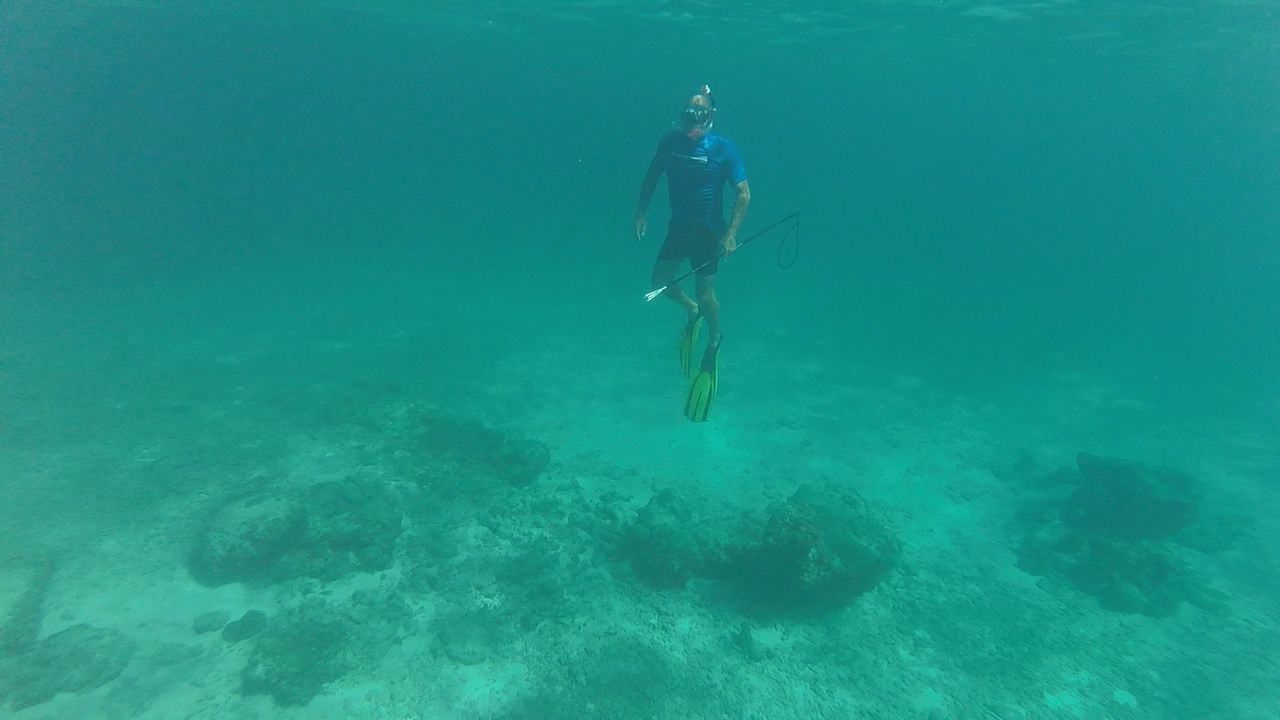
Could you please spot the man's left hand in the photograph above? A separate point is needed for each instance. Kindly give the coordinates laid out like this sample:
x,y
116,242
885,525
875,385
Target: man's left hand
x,y
730,244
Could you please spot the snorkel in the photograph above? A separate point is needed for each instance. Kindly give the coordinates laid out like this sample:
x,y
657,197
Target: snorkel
x,y
699,113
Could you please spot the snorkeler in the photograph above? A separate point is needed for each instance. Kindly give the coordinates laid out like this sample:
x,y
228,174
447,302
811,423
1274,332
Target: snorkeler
x,y
698,163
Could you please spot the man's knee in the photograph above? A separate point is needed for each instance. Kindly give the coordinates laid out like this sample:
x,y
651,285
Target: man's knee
x,y
707,296
663,273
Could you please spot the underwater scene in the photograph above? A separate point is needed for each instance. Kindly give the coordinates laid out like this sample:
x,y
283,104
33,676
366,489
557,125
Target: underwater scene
x,y
397,360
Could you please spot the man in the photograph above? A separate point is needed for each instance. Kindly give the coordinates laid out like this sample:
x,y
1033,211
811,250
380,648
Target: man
x,y
698,163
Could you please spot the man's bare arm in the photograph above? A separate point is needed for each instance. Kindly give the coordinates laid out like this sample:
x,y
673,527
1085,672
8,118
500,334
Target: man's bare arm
x,y
740,202
647,186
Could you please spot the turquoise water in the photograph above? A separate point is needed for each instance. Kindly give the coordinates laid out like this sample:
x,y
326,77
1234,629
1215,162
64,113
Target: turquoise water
x,y
331,313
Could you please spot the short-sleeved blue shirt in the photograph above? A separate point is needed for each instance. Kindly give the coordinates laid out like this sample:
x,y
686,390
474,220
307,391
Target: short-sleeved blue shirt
x,y
696,173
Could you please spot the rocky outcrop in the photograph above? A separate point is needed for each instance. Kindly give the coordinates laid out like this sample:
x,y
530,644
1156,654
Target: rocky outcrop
x,y
815,552
1114,533
78,659
328,531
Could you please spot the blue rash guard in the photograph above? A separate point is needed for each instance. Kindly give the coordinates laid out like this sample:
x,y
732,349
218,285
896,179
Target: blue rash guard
x,y
696,174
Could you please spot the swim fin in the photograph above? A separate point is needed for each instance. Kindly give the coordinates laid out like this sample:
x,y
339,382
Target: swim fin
x,y
702,390
688,341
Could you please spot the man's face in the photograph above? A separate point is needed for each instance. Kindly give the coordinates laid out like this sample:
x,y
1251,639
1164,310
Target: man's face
x,y
697,112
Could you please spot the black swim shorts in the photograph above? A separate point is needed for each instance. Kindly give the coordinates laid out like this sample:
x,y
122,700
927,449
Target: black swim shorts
x,y
697,243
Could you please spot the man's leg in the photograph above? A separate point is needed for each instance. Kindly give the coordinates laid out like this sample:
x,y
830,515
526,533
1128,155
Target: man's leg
x,y
664,271
709,306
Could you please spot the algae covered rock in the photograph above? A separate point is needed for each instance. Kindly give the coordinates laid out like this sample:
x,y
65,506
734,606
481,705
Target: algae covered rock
x,y
814,553
307,647
537,581
1129,501
76,660
1114,535
1141,577
521,461
249,624
243,540
352,526
326,531
294,660
668,544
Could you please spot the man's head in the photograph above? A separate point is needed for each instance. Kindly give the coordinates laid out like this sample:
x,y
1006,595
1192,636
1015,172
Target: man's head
x,y
699,113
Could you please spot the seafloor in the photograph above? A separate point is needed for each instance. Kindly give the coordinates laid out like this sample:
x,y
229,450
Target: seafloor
x,y
292,524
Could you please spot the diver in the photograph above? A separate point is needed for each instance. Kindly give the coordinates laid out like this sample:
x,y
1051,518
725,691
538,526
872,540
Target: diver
x,y
698,163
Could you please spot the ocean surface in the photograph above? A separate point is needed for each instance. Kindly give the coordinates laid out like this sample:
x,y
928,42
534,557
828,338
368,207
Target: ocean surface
x,y
328,388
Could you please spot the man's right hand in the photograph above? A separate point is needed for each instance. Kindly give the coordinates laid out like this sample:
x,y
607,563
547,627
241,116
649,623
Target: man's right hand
x,y
642,226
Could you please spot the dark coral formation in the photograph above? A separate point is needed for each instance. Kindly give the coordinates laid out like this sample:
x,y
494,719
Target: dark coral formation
x,y
444,469
451,508
669,544
816,552
249,624
485,452
76,660
242,541
316,642
333,529
1129,501
1139,577
351,527
294,660
329,531
1114,534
